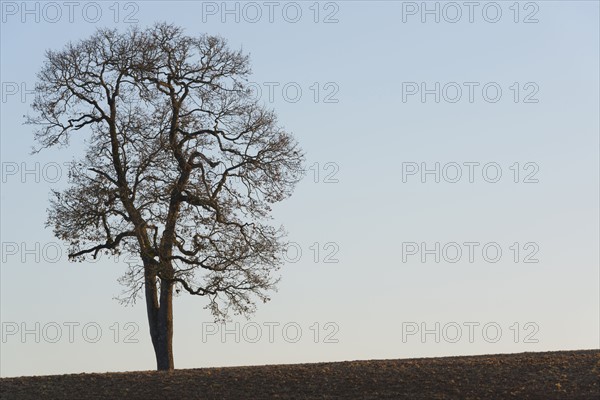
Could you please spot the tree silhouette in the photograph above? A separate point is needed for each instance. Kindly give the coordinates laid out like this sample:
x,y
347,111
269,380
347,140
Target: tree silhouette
x,y
181,166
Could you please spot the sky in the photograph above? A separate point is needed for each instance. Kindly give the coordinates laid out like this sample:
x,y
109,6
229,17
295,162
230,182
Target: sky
x,y
450,204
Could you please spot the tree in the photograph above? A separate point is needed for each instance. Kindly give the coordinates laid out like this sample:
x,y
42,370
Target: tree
x,y
181,167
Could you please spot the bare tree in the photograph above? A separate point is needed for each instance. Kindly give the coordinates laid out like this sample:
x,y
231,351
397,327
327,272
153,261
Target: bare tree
x,y
181,166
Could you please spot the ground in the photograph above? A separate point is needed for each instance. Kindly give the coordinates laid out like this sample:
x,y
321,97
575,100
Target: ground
x,y
549,375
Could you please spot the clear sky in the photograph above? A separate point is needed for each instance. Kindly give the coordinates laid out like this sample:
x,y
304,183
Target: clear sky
x,y
396,179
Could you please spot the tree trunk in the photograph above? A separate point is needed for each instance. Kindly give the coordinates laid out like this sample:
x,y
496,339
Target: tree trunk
x,y
160,320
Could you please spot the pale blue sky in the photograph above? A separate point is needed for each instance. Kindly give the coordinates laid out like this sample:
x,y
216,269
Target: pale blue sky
x,y
367,135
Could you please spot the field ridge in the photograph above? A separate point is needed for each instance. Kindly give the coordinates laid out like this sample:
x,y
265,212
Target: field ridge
x,y
539,375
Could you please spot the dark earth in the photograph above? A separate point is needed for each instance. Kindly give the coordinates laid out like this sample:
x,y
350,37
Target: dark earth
x,y
548,375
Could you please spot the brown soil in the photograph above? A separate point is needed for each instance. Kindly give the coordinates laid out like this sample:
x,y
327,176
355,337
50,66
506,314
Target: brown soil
x,y
552,375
